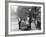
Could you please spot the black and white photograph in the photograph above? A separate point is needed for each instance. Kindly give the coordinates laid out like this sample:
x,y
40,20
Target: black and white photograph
x,y
25,18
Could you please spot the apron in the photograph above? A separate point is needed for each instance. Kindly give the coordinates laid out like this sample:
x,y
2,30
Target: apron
x,y
33,26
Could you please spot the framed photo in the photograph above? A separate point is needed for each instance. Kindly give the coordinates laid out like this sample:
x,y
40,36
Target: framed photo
x,y
24,18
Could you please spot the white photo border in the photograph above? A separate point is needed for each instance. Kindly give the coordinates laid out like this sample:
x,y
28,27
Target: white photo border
x,y
24,32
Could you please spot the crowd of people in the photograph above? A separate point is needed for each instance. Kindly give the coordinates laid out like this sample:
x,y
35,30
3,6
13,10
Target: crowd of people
x,y
27,25
31,22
